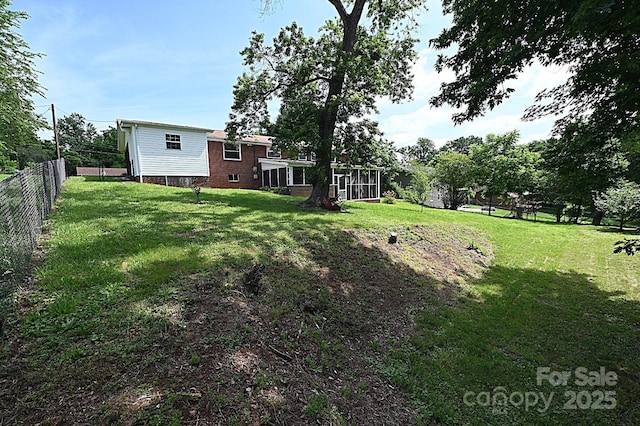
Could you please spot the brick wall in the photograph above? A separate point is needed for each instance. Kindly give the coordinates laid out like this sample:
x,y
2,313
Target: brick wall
x,y
301,191
220,169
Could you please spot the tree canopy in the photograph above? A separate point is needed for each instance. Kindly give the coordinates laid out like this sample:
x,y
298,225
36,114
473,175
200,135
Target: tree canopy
x,y
327,85
423,151
454,174
598,41
18,82
621,201
83,145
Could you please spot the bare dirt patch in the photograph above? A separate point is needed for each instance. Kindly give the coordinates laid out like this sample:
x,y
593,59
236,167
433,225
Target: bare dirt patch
x,y
310,347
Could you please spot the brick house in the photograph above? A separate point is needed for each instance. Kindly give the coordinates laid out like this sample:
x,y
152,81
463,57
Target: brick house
x,y
177,155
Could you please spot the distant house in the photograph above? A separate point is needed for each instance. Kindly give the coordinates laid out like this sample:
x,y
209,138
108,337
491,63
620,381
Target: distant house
x,y
101,171
177,155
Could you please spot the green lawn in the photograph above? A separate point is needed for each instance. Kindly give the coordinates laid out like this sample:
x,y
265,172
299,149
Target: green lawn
x,y
4,176
136,314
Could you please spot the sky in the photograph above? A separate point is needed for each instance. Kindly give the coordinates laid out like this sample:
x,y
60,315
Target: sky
x,y
177,64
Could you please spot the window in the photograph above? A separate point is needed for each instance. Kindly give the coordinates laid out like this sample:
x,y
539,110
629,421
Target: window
x,y
313,156
273,153
172,141
231,151
302,156
234,177
298,175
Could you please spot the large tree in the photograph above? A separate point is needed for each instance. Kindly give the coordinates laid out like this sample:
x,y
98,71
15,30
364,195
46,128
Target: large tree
x,y
18,83
579,164
502,166
423,151
326,86
621,201
461,145
454,174
83,145
597,41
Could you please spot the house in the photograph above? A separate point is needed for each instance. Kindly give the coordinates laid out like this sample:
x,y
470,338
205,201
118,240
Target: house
x,y
101,171
187,156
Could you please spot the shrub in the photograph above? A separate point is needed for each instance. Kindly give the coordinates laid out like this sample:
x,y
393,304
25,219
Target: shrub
x,y
389,197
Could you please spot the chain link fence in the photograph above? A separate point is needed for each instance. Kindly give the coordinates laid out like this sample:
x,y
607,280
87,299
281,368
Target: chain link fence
x,y
25,199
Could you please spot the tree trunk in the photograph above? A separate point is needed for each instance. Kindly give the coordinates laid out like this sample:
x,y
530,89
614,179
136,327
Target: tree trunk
x,y
558,215
328,116
597,218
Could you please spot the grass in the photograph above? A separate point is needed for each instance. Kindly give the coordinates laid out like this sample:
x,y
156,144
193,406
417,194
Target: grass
x,y
4,176
136,314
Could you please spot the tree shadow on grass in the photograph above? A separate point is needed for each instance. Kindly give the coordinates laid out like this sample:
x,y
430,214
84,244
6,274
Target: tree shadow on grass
x,y
148,322
528,319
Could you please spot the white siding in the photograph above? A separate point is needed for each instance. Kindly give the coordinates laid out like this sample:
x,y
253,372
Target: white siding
x,y
156,160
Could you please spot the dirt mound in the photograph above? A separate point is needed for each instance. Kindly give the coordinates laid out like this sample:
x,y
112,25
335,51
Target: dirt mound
x,y
309,347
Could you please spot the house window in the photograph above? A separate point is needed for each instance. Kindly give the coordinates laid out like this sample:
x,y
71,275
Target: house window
x,y
313,156
302,156
234,177
172,141
273,153
298,175
231,151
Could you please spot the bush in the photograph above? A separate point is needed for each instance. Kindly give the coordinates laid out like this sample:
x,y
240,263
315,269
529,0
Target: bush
x,y
8,166
389,197
282,190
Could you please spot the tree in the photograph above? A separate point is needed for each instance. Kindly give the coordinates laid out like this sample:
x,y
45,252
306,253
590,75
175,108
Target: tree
x,y
597,40
327,85
83,145
18,83
423,151
461,145
579,164
422,183
502,166
621,201
76,138
454,174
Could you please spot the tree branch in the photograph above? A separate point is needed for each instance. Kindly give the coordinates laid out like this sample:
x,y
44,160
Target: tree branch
x,y
340,8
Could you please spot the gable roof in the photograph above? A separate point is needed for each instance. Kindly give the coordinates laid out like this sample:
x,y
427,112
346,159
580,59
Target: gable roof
x,y
127,123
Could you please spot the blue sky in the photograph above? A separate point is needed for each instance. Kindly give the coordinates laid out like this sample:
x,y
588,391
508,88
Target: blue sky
x,y
178,64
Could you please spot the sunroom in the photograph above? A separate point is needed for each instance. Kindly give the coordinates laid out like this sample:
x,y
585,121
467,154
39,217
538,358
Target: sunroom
x,y
354,183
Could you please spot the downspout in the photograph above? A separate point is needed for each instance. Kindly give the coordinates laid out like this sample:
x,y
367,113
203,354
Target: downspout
x,y
134,137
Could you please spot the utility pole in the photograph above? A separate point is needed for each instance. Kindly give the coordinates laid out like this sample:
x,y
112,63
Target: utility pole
x,y
55,130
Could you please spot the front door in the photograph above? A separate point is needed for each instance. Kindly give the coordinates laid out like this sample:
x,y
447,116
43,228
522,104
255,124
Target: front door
x,y
340,181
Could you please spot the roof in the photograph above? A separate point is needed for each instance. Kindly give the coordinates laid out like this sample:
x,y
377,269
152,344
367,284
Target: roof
x,y
221,135
126,123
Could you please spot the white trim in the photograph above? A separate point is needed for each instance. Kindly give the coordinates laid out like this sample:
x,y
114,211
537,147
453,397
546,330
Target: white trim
x,y
224,151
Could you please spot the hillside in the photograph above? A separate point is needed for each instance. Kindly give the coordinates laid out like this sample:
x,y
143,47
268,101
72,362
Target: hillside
x,y
140,311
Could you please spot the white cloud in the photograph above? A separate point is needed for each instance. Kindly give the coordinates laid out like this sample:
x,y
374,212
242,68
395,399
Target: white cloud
x,y
404,124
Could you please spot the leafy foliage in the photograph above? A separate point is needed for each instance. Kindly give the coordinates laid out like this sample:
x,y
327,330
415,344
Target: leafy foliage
x,y
576,165
502,166
598,40
422,184
454,174
461,145
423,151
326,86
630,247
621,201
18,83
83,145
